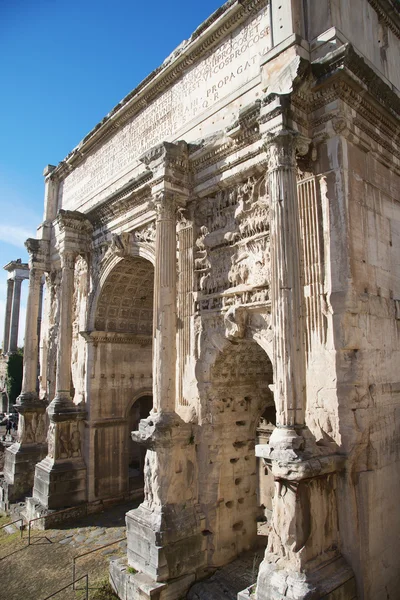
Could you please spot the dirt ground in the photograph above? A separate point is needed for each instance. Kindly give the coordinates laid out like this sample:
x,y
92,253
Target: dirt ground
x,y
34,572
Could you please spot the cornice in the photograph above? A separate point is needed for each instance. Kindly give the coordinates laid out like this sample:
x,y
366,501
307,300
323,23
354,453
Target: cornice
x,y
73,220
125,199
16,264
346,59
388,12
204,39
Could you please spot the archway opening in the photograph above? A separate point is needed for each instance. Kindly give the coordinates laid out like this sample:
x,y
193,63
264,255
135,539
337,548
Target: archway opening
x,y
265,480
240,399
140,409
122,370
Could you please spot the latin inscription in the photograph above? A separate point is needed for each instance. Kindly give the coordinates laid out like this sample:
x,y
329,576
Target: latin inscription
x,y
234,62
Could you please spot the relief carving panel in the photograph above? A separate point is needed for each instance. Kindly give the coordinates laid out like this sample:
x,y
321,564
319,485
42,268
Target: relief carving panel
x,y
232,259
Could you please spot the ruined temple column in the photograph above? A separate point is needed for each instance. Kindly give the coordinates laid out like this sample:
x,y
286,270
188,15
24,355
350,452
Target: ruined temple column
x,y
21,457
7,318
14,326
60,479
164,319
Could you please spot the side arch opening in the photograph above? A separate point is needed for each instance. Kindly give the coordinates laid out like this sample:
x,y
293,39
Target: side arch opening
x,y
241,409
121,372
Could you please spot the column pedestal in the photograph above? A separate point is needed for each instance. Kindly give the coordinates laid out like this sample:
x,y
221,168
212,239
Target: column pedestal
x,y
303,560
165,541
21,457
60,478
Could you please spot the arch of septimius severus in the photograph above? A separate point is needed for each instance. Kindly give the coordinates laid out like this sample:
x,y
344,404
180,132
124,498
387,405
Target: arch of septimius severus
x,y
222,309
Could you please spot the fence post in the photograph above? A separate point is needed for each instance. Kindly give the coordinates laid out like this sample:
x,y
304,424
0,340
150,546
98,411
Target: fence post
x,y
73,573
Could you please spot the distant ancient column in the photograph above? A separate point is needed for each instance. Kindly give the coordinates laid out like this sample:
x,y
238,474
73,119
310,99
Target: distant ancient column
x,y
164,349
286,285
7,319
16,302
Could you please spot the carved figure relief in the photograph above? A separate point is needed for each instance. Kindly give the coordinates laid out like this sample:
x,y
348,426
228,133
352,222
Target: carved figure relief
x,y
51,440
146,234
76,443
69,440
232,258
32,428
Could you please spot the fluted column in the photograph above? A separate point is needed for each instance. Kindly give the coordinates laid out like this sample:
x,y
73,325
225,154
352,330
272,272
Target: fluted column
x,y
7,319
164,350
287,291
62,398
31,346
60,479
16,301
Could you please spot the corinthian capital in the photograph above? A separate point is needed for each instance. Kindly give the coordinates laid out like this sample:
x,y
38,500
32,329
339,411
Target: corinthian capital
x,y
68,258
281,149
283,146
165,206
38,251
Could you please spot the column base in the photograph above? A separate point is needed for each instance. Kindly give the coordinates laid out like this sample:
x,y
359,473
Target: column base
x,y
19,470
333,581
138,586
165,545
60,484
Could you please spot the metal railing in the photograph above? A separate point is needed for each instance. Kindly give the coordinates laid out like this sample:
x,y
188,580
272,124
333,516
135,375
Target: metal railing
x,y
90,552
86,588
20,520
58,512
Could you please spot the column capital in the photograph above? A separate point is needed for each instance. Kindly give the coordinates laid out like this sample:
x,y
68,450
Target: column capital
x,y
73,220
73,232
283,146
169,163
68,258
38,253
165,205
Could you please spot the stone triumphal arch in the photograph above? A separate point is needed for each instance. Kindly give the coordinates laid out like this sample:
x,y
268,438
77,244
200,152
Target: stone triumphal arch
x,y
220,328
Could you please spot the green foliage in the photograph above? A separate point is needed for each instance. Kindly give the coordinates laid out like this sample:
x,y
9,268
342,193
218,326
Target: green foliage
x,y
14,375
131,570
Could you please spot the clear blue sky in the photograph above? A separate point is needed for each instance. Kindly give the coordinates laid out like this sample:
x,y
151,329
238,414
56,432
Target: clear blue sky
x,y
64,65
